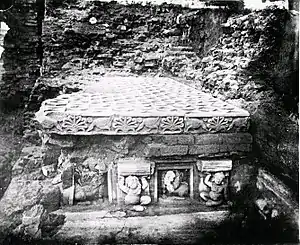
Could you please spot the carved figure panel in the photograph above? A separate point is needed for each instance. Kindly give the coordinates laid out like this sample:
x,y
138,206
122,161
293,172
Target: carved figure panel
x,y
80,181
136,190
213,188
150,124
213,181
175,183
133,181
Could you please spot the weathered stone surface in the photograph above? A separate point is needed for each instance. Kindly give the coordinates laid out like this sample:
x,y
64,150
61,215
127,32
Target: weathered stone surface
x,y
51,224
228,138
242,138
178,150
31,221
235,147
20,195
177,228
21,58
266,182
26,191
31,158
175,139
243,184
204,149
207,139
133,108
51,198
164,150
185,140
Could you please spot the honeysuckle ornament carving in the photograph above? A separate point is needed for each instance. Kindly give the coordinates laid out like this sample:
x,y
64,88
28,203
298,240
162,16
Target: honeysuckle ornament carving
x,y
73,124
217,124
126,124
172,124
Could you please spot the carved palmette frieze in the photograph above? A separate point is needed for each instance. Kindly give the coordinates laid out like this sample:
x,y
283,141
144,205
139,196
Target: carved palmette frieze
x,y
216,125
74,124
172,124
118,125
126,124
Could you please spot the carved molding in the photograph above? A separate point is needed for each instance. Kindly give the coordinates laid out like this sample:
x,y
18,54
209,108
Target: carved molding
x,y
117,125
135,166
214,165
139,105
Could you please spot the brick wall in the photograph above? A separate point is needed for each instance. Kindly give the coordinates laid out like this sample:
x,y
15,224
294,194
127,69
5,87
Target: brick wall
x,y
132,37
22,54
111,148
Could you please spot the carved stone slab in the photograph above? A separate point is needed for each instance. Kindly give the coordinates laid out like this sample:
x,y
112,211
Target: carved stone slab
x,y
139,105
135,166
214,165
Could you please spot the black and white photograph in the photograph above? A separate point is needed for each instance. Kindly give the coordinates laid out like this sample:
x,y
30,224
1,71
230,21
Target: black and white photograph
x,y
149,122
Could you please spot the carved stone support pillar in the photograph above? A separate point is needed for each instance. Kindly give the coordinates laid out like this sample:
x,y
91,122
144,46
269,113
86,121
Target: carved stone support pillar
x,y
213,184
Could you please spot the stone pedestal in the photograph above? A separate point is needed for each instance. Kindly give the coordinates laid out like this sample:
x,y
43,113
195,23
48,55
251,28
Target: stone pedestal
x,y
141,143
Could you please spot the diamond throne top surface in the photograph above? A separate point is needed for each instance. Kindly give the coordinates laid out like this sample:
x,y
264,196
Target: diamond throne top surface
x,y
139,105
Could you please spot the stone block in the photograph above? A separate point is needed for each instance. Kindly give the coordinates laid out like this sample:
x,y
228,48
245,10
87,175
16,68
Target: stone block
x,y
165,150
266,182
170,139
51,198
153,150
235,147
134,166
157,139
276,199
176,139
236,138
207,139
176,150
185,140
175,228
204,149
214,165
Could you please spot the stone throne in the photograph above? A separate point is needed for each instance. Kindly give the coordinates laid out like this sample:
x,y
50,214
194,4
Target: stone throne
x,y
156,141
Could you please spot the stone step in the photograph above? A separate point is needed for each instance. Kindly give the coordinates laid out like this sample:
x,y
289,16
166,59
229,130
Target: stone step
x,y
97,227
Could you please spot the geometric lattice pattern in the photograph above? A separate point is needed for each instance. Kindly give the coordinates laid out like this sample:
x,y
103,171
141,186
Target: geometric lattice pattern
x,y
142,97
